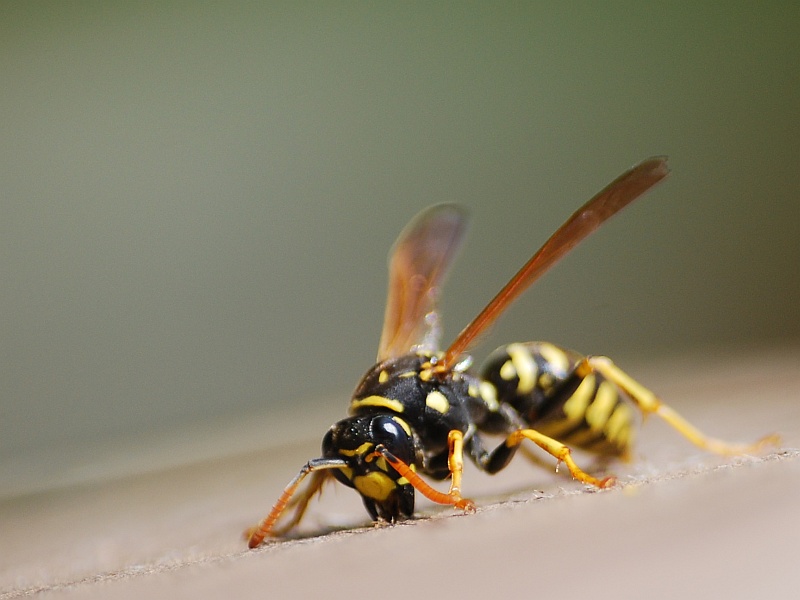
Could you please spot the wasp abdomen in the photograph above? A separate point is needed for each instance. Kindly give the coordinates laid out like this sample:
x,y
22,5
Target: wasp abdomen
x,y
557,392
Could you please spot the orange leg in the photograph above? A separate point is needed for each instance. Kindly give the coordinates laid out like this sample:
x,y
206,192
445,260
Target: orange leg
x,y
266,528
558,451
455,462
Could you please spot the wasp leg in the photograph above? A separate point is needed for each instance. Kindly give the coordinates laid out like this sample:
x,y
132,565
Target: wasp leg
x,y
649,403
455,461
456,465
503,454
266,528
299,502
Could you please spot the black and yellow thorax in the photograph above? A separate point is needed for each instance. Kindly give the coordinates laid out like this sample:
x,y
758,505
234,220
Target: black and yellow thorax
x,y
431,404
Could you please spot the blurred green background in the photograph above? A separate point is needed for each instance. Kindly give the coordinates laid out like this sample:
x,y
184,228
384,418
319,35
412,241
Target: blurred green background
x,y
198,198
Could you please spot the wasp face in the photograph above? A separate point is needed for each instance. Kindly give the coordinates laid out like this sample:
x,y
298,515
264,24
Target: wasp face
x,y
386,494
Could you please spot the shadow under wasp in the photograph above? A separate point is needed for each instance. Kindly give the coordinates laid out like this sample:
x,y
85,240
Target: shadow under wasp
x,y
418,409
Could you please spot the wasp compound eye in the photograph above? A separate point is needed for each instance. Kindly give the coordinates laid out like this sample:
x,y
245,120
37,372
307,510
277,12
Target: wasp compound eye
x,y
395,435
355,440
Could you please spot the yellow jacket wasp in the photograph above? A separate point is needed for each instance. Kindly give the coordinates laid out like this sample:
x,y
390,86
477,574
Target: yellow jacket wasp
x,y
418,410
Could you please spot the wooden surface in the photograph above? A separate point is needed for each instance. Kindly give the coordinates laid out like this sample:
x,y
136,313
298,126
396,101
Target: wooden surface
x,y
683,524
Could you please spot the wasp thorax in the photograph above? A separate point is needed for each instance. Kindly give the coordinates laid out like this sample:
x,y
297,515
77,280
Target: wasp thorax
x,y
390,373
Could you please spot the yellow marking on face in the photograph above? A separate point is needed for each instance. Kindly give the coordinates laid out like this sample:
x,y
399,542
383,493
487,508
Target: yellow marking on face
x,y
437,401
362,449
378,401
489,395
402,424
408,374
575,407
599,411
347,471
383,376
382,464
472,390
375,485
525,367
403,480
555,356
426,374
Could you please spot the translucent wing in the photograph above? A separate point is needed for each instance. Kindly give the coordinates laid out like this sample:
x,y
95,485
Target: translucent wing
x,y
610,200
418,265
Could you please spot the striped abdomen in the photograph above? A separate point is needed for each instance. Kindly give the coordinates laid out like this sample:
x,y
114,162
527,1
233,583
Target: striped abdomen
x,y
556,392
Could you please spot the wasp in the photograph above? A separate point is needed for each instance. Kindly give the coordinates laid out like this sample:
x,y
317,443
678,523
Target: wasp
x,y
418,410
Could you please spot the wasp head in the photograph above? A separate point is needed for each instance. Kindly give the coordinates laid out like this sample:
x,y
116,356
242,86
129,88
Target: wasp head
x,y
386,495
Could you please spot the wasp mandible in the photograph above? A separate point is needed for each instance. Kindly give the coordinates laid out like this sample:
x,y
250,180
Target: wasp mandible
x,y
418,410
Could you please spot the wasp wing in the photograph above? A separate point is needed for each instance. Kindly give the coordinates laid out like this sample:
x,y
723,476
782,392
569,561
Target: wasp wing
x,y
610,200
418,264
